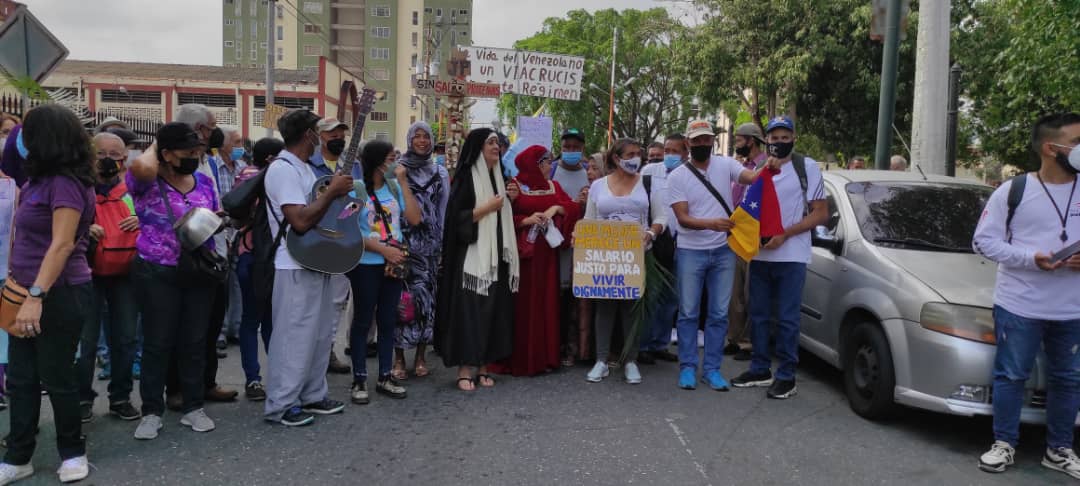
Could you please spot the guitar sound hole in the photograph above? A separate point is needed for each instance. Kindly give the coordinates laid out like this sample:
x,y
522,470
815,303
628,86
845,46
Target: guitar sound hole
x,y
322,189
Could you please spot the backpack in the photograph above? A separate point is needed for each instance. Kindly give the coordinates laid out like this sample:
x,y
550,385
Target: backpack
x,y
664,245
264,244
798,162
1016,194
114,252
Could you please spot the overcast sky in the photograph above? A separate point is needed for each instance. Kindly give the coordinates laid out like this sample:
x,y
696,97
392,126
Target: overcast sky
x,y
189,31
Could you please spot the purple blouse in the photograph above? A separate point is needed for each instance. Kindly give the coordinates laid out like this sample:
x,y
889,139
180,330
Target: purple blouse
x,y
33,228
157,241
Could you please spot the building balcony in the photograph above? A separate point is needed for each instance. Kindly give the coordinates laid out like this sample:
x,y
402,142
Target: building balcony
x,y
341,47
352,27
352,6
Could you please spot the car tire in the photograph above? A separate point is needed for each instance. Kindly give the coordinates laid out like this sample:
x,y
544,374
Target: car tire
x,y
869,378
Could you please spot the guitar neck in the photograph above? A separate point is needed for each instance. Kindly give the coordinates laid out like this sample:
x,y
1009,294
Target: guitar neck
x,y
354,145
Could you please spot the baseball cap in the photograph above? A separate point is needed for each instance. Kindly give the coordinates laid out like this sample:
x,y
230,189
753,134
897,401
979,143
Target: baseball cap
x,y
330,124
177,136
697,128
750,130
573,133
780,122
294,122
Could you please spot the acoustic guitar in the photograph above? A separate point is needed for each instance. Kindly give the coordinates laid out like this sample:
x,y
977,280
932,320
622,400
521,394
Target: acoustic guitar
x,y
335,244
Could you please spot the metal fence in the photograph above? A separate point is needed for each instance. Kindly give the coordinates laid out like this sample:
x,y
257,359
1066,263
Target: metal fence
x,y
146,129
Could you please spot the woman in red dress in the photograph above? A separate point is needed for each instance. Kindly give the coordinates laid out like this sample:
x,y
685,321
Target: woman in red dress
x,y
536,320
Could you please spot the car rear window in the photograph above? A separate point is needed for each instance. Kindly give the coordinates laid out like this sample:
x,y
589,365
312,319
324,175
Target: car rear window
x,y
927,216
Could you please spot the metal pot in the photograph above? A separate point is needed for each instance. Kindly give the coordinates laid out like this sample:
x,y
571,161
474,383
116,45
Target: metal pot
x,y
196,227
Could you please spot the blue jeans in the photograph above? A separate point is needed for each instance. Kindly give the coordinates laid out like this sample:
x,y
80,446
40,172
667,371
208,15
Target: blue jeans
x,y
253,321
776,286
1018,341
657,337
374,295
714,269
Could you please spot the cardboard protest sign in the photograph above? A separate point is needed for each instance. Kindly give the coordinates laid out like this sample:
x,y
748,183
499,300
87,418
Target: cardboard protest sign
x,y
528,73
609,260
535,130
272,114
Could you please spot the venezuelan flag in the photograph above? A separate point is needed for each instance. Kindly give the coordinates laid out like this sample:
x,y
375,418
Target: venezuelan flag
x,y
757,216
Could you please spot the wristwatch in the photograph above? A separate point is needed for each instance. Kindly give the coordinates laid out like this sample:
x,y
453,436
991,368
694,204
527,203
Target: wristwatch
x,y
36,292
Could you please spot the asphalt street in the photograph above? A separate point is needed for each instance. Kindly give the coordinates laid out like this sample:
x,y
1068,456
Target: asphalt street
x,y
554,429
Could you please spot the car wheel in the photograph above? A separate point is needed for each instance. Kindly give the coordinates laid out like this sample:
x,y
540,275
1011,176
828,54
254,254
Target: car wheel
x,y
869,380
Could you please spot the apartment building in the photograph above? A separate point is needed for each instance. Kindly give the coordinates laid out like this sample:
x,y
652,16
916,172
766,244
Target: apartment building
x,y
385,43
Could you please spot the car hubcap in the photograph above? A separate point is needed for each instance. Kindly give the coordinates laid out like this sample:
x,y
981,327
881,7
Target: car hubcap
x,y
865,370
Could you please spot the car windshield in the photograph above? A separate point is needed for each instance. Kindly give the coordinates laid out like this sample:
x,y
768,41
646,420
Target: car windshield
x,y
925,216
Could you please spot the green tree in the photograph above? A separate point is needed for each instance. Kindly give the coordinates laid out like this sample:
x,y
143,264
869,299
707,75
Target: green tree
x,y
653,95
1021,60
811,60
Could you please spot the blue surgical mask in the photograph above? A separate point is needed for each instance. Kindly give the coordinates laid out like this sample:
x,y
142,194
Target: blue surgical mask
x,y
21,147
571,158
237,153
441,160
672,161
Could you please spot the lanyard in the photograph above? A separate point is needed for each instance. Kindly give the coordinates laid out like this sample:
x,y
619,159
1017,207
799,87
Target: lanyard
x,y
1063,217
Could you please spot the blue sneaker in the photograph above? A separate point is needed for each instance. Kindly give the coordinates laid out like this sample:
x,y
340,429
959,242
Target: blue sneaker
x,y
715,381
136,370
687,379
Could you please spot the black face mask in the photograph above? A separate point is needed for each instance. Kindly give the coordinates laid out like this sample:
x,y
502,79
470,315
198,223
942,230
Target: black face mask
x,y
217,139
188,166
1062,159
701,153
655,161
108,168
743,151
781,150
336,146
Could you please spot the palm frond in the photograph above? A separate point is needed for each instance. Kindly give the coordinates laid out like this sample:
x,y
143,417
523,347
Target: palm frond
x,y
659,284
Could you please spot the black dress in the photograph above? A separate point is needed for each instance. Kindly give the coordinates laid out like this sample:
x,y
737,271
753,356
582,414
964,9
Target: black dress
x,y
471,329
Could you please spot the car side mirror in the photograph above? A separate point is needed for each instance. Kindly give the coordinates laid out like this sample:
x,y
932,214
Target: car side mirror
x,y
823,238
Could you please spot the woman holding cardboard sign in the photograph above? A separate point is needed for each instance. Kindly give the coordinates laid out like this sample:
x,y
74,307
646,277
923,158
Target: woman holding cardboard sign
x,y
543,212
621,196
474,316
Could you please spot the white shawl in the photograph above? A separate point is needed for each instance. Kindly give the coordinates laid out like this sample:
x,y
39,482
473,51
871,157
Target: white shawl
x,y
482,257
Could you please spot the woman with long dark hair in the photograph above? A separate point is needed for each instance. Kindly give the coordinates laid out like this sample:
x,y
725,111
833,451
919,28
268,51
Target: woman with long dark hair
x,y
175,307
48,260
377,280
475,316
430,183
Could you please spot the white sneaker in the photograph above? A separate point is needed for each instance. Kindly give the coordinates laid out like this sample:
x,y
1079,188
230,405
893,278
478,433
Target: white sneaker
x,y
998,458
9,473
598,372
633,376
74,469
148,428
198,421
1062,459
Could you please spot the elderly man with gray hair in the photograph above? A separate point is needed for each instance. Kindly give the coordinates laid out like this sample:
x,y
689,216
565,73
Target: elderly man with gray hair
x,y
898,162
204,123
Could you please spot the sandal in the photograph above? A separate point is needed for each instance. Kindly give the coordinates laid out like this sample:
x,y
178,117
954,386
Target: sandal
x,y
482,376
420,370
465,379
398,371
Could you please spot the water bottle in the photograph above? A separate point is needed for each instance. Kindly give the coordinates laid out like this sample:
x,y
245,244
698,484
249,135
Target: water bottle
x,y
534,231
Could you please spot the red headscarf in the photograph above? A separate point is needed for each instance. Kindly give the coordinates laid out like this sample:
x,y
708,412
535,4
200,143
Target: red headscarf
x,y
528,164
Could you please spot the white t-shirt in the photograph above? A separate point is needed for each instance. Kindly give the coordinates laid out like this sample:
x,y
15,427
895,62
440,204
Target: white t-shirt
x,y
1022,288
288,181
789,193
633,208
659,173
684,186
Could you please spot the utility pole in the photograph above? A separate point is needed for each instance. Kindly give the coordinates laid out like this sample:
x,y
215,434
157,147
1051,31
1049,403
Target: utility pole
x,y
271,51
611,96
928,131
954,106
887,103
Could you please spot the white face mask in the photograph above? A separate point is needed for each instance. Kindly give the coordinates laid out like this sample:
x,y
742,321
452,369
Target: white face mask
x,y
1073,158
630,165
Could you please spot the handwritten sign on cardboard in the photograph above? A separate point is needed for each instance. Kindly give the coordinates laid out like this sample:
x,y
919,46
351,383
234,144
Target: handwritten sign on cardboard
x,y
609,260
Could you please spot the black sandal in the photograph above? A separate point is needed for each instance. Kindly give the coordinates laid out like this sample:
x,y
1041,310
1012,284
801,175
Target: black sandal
x,y
482,376
459,380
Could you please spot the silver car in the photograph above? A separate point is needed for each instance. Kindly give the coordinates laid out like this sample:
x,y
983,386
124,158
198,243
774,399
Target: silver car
x,y
896,298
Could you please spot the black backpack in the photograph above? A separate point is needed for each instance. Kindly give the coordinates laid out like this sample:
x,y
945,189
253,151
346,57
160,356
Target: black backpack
x,y
248,203
664,245
1016,194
